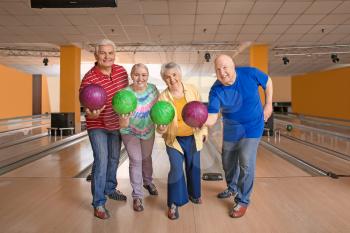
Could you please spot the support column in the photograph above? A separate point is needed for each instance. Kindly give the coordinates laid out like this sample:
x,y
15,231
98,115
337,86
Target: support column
x,y
259,58
70,81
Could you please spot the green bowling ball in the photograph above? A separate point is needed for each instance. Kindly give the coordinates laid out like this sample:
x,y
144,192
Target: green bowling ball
x,y
124,102
289,128
162,113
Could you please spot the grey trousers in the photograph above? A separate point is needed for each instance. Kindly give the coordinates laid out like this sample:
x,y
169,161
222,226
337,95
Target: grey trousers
x,y
140,162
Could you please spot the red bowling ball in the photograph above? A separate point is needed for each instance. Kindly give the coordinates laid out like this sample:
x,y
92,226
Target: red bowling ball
x,y
195,114
93,97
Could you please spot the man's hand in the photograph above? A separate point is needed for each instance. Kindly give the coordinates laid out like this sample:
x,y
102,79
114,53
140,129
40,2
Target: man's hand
x,y
267,111
212,118
95,113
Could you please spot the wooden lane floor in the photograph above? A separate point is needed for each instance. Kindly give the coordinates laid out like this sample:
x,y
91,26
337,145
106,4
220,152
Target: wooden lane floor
x,y
332,127
326,160
285,199
67,162
17,152
333,142
16,155
17,130
268,164
335,121
20,135
20,123
316,204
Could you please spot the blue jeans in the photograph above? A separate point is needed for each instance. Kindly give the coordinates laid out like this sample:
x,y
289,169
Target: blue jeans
x,y
178,190
106,150
238,160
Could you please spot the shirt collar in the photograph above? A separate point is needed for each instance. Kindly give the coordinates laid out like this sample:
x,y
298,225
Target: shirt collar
x,y
98,71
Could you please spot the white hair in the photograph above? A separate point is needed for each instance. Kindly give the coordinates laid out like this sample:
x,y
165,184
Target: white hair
x,y
170,65
102,43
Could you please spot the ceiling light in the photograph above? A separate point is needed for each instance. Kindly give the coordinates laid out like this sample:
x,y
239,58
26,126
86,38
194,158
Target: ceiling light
x,y
45,61
329,50
285,60
207,57
335,58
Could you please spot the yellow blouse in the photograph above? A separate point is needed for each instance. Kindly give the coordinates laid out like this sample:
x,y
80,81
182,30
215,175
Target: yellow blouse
x,y
169,136
182,128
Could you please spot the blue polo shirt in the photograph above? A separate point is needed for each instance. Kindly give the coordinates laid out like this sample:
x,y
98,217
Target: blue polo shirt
x,y
240,104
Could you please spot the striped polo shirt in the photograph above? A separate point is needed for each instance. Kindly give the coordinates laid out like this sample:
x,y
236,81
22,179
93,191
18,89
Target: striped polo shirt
x,y
117,80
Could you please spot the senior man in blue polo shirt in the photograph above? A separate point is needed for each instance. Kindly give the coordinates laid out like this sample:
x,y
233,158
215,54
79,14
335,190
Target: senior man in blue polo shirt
x,y
235,94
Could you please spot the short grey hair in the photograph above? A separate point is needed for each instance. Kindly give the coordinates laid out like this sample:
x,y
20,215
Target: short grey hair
x,y
168,66
138,65
104,42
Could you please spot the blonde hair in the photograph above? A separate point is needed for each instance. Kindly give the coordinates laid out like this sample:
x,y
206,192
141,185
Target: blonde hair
x,y
136,66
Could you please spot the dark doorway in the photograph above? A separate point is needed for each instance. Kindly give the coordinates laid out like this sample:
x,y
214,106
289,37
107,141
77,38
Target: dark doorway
x,y
36,94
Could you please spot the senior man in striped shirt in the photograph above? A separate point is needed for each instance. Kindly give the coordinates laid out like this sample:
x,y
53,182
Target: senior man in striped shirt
x,y
103,127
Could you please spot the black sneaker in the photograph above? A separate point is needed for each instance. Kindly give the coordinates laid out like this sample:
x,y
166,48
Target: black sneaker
x,y
226,193
195,200
151,189
173,212
117,195
88,178
137,205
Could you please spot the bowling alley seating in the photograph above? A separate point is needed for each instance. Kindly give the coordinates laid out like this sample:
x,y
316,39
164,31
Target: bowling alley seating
x,y
62,124
52,131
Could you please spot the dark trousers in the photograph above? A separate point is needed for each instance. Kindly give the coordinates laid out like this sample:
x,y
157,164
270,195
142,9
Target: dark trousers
x,y
178,190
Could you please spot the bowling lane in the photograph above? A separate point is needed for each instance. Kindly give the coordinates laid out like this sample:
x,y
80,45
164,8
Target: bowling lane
x,y
72,160
25,152
284,197
326,120
15,153
271,165
22,135
312,155
67,162
23,122
268,163
17,130
283,205
335,143
341,128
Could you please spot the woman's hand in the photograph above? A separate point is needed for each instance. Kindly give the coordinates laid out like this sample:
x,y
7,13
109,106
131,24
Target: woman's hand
x,y
124,120
162,128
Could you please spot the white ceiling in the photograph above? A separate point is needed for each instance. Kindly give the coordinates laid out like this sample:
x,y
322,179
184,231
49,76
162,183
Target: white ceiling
x,y
211,23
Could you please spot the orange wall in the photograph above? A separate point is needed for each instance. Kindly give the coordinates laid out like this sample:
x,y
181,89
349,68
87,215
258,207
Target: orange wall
x,y
323,94
281,89
15,93
45,98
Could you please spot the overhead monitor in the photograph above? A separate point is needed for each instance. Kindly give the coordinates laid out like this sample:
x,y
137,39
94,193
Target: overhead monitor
x,y
72,3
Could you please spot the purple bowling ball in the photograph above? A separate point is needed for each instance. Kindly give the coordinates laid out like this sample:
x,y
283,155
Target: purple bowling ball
x,y
93,96
195,114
